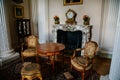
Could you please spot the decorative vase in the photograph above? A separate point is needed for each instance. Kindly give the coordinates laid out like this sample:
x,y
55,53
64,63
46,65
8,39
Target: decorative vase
x,y
56,22
86,22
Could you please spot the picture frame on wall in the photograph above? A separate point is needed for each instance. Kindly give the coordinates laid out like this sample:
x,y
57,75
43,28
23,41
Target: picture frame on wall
x,y
72,2
19,11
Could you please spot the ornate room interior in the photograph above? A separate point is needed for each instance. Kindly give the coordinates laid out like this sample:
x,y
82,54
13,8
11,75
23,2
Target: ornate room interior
x,y
62,27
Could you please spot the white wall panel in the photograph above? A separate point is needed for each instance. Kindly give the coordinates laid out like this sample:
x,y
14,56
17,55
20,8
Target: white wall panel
x,y
91,8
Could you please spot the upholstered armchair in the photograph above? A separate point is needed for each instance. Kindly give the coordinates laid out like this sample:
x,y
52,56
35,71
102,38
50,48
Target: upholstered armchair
x,y
30,50
84,63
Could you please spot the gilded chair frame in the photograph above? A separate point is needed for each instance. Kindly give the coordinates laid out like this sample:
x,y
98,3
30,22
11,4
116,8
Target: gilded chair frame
x,y
30,43
87,58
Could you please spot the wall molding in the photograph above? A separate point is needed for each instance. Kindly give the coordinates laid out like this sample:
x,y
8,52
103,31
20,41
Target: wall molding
x,y
104,54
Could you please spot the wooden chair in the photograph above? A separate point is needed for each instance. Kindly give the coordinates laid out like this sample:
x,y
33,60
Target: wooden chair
x,y
30,51
31,71
84,63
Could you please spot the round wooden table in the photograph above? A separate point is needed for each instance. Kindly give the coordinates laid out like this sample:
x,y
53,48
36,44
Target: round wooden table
x,y
50,50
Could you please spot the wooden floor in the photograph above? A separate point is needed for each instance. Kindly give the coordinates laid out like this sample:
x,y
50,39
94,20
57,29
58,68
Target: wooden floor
x,y
102,65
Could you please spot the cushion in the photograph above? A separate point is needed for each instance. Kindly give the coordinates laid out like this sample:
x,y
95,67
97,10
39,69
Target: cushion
x,y
29,52
31,69
90,49
32,41
78,62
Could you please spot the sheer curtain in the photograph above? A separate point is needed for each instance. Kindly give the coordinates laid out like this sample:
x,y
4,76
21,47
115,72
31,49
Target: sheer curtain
x,y
34,16
115,64
108,26
111,35
39,16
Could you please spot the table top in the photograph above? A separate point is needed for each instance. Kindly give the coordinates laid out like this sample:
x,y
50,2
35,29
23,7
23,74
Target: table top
x,y
50,48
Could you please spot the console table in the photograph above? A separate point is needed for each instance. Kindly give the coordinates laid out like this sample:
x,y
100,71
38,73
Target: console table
x,y
86,31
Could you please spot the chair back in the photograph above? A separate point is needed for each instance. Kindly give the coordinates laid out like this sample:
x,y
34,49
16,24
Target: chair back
x,y
90,49
32,41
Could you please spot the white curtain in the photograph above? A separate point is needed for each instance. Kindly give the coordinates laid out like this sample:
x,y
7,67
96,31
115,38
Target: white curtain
x,y
109,21
34,16
115,64
110,38
39,9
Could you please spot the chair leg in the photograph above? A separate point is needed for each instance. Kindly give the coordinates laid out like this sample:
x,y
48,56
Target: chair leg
x,y
37,59
83,74
22,78
62,56
39,76
71,67
53,62
22,58
91,73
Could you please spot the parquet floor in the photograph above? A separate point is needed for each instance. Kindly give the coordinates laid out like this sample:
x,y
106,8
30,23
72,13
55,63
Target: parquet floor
x,y
102,65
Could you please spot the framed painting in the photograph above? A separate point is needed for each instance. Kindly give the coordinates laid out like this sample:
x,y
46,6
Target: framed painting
x,y
72,2
19,11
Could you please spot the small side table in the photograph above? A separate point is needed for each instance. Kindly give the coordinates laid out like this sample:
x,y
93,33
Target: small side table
x,y
30,71
50,49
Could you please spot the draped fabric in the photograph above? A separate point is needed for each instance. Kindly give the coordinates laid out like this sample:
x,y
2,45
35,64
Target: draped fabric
x,y
108,25
34,16
115,64
39,16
